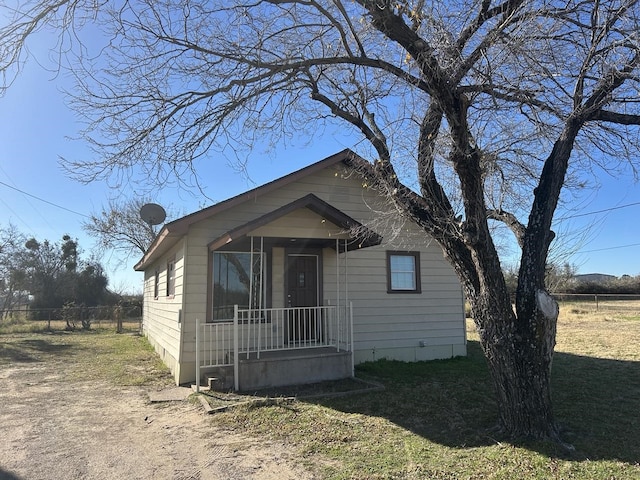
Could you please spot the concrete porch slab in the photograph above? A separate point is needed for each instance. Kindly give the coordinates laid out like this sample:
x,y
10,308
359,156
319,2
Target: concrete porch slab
x,y
275,370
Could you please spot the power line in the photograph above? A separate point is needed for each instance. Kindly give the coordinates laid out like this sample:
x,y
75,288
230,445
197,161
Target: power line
x,y
8,207
28,201
611,248
43,200
599,211
605,210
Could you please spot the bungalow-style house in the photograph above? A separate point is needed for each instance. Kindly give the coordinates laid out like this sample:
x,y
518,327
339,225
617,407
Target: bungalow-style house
x,y
295,282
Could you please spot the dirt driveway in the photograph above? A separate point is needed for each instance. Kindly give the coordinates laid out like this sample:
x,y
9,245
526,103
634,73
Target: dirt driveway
x,y
52,427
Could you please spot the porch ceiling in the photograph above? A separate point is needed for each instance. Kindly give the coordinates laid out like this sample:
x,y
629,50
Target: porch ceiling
x,y
335,225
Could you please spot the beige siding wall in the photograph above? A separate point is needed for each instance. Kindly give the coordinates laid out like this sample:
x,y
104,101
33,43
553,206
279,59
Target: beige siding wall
x,y
386,325
301,223
401,326
277,278
162,320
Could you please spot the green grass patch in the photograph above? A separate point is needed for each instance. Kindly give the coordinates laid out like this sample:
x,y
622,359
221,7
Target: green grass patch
x,y
436,419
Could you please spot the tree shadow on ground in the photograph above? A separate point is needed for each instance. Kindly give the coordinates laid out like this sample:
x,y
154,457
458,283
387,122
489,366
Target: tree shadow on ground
x,y
6,475
30,350
451,402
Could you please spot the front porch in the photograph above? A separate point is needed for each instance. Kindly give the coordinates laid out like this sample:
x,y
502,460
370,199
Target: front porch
x,y
277,300
273,347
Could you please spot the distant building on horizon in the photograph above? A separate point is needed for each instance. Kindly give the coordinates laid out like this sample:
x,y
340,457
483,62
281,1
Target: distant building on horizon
x,y
594,278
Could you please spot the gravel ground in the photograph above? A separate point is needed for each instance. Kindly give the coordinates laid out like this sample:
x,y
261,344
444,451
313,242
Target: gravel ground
x,y
53,428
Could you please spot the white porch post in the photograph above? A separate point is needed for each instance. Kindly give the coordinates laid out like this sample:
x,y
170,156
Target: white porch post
x,y
250,299
197,355
260,286
353,353
347,303
346,274
337,273
337,314
236,356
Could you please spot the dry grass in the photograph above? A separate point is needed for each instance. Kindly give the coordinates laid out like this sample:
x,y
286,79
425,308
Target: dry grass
x,y
435,419
98,355
606,333
14,326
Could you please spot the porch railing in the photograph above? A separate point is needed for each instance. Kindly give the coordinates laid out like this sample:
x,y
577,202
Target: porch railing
x,y
254,331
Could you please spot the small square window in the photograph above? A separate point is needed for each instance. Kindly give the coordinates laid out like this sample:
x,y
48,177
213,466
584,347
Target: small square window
x,y
403,272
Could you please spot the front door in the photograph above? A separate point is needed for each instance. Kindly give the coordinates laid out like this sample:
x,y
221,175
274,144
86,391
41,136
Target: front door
x,y
302,291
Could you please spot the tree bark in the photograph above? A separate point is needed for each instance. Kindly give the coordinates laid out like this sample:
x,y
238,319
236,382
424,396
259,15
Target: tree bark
x,y
519,355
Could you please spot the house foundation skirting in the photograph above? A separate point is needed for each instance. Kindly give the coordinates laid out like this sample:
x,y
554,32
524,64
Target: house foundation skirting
x,y
277,371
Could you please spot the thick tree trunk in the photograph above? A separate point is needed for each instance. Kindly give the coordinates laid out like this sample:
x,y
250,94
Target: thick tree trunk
x,y
519,353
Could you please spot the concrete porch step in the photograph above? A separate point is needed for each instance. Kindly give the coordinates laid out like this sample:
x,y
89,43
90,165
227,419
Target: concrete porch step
x,y
281,368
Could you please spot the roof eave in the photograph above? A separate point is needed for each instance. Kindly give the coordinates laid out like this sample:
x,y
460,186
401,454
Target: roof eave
x,y
180,227
157,246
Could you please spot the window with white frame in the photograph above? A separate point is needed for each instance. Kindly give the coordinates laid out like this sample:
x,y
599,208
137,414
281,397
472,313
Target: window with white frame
x,y
403,272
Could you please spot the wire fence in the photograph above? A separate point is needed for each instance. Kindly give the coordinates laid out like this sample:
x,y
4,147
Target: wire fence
x,y
601,302
122,317
128,317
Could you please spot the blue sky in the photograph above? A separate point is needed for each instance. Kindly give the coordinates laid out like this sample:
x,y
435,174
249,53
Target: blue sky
x,y
35,124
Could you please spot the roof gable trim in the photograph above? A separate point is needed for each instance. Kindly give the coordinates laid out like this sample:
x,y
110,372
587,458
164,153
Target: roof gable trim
x,y
180,227
363,236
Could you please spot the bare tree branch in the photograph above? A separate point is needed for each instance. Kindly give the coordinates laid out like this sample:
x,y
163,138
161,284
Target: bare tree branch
x,y
511,221
469,109
615,117
119,227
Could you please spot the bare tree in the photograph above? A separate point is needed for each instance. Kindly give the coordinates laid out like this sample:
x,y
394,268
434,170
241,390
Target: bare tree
x,y
508,98
12,293
119,227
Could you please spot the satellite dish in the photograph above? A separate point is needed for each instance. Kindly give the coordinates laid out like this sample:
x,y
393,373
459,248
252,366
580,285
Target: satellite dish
x,y
152,213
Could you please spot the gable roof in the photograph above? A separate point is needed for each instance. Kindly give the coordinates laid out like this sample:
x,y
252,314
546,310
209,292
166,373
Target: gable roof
x,y
361,235
173,231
